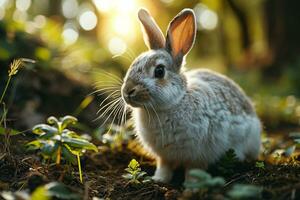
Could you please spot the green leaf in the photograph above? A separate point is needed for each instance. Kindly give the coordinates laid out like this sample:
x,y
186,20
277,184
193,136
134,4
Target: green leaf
x,y
79,143
3,131
49,148
127,176
34,145
68,155
60,191
200,174
241,191
44,130
40,193
260,164
216,182
52,120
66,120
133,164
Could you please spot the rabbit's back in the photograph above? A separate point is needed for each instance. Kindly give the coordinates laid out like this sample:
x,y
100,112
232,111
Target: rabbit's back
x,y
222,93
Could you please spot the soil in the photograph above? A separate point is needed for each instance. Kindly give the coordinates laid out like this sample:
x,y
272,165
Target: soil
x,y
102,173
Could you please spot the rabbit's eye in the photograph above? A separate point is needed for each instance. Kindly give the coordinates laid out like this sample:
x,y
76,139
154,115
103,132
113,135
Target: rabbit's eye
x,y
159,71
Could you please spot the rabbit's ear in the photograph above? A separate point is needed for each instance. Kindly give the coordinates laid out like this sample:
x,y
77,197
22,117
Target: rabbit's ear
x,y
181,34
153,36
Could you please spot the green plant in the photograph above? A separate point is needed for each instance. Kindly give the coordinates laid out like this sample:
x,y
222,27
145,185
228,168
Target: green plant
x,y
227,164
260,164
243,191
117,135
201,180
134,174
51,190
56,141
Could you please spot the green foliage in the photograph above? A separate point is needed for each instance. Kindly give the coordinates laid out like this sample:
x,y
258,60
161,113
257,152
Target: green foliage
x,y
134,174
260,164
243,192
296,137
227,163
116,135
201,180
56,141
53,190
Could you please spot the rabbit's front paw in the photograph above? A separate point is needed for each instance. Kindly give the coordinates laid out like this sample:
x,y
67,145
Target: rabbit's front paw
x,y
163,175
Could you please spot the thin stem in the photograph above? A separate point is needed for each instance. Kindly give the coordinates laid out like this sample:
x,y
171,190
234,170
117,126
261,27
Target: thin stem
x,y
6,86
58,157
79,167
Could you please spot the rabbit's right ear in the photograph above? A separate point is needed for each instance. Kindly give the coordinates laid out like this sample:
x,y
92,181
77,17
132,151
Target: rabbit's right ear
x,y
153,36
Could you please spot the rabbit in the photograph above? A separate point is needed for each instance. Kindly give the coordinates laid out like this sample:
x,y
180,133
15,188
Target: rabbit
x,y
185,118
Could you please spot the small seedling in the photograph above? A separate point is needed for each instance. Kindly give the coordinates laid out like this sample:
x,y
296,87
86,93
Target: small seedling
x,y
242,191
56,141
260,164
134,173
201,180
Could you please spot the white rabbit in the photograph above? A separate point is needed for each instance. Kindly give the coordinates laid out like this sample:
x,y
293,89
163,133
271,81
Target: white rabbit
x,y
187,119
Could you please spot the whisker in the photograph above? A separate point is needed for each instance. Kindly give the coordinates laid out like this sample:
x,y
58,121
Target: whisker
x,y
149,120
106,105
108,97
106,90
160,124
110,75
117,112
123,56
110,114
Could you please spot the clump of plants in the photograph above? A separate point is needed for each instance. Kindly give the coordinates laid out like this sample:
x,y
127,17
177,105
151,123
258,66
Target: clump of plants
x,y
135,175
202,185
56,142
53,190
244,191
13,69
201,180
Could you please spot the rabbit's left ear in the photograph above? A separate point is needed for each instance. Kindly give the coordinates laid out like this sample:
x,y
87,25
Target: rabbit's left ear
x,y
181,34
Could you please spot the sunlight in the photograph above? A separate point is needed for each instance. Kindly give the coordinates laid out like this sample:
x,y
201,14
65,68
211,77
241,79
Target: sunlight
x,y
103,5
117,46
120,24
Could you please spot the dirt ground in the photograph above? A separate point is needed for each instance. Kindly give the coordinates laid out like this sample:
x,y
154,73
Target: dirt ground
x,y
103,175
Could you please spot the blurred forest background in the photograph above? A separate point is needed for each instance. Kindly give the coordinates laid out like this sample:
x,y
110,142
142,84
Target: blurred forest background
x,y
255,42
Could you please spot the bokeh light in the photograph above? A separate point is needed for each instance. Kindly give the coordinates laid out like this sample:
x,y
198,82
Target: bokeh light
x,y
2,13
23,5
39,21
167,1
206,18
117,46
70,35
70,8
20,16
88,20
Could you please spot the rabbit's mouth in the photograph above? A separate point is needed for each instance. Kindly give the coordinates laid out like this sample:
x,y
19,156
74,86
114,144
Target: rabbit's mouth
x,y
137,100
135,94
